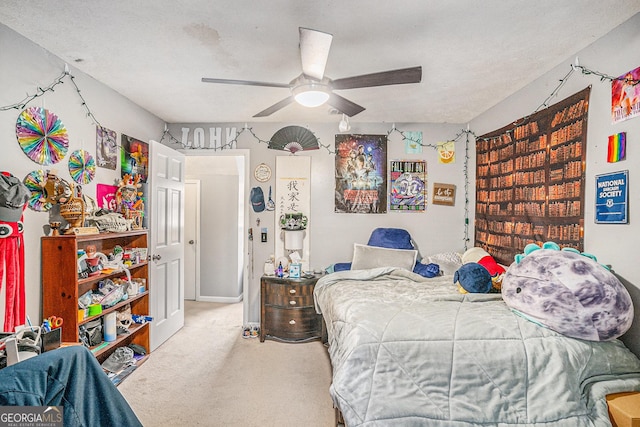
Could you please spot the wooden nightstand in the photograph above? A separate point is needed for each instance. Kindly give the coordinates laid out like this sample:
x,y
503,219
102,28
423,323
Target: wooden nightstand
x,y
287,312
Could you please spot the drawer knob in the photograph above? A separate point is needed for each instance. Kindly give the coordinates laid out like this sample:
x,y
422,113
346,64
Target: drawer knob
x,y
292,302
292,291
292,322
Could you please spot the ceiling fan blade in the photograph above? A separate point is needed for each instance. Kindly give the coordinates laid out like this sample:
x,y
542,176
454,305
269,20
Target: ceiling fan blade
x,y
244,82
314,51
384,78
275,107
344,105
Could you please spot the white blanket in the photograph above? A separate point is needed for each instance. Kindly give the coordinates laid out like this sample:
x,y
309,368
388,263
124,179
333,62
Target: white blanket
x,y
412,351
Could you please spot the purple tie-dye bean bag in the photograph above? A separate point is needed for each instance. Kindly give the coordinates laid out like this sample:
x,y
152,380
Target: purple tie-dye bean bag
x,y
570,294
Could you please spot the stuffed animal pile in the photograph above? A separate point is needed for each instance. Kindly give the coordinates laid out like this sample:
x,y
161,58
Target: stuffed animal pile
x,y
479,273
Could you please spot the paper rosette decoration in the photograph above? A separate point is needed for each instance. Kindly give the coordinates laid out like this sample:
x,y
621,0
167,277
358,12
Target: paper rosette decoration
x,y
35,181
42,136
82,167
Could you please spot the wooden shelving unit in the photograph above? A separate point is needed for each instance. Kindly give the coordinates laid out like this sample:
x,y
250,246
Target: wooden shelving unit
x,y
61,286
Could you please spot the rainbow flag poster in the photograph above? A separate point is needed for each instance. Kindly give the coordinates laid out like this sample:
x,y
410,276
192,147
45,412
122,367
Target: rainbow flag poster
x,y
617,147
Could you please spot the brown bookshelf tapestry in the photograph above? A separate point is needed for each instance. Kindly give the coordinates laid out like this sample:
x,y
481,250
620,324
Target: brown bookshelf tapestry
x,y
530,180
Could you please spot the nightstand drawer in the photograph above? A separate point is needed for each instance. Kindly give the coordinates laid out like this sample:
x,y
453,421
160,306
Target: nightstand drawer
x,y
292,324
289,295
290,301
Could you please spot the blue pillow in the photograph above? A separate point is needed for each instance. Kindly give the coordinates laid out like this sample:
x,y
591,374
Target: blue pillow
x,y
341,266
391,238
427,270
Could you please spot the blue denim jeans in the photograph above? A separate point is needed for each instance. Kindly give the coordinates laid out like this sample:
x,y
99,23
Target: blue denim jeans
x,y
70,377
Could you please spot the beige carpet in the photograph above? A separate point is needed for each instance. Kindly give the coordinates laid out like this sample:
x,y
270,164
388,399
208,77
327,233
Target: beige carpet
x,y
208,375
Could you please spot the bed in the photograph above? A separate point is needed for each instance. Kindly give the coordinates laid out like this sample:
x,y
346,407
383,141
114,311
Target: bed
x,y
407,350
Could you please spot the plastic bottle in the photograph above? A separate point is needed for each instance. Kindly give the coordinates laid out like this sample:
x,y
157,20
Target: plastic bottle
x,y
280,272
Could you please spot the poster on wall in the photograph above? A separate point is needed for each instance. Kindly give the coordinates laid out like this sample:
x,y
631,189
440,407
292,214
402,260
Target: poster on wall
x,y
444,194
625,96
361,174
612,198
135,158
106,196
293,199
408,185
446,152
106,148
413,142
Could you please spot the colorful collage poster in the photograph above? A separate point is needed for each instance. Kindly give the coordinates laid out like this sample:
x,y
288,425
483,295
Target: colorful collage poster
x,y
625,96
408,189
361,174
135,158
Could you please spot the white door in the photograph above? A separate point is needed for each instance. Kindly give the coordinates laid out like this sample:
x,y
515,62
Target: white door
x,y
166,224
192,237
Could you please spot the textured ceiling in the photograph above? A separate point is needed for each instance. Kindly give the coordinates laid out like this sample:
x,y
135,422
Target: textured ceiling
x,y
473,53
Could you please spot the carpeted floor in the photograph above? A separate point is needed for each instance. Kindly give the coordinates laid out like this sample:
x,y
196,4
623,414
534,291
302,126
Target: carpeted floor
x,y
208,375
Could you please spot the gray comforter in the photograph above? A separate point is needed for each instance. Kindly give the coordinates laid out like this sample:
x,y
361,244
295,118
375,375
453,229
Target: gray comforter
x,y
411,351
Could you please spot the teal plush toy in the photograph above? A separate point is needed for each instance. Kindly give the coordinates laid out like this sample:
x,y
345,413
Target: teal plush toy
x,y
531,247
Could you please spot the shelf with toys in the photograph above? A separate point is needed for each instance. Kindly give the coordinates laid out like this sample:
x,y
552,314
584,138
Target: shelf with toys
x,y
72,289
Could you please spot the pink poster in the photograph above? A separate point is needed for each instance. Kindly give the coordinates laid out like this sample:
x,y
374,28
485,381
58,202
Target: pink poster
x,y
106,195
625,96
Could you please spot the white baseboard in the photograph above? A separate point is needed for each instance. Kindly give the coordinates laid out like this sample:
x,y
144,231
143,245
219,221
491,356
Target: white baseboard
x,y
224,300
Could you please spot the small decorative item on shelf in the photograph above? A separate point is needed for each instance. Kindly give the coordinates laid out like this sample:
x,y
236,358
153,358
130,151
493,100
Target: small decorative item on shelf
x,y
129,200
55,189
55,228
73,212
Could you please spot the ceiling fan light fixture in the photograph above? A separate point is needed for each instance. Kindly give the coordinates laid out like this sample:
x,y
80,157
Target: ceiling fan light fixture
x,y
311,94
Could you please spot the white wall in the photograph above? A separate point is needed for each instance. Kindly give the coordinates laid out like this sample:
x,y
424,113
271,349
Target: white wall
x,y
332,235
221,254
614,54
23,67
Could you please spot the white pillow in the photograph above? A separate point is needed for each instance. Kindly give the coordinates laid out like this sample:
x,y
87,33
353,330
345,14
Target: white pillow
x,y
449,262
365,257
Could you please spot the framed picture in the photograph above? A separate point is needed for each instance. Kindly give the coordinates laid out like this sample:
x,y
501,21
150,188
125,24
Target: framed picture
x,y
612,198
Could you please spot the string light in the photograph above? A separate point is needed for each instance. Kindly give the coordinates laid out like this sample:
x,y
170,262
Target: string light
x,y
231,143
41,91
585,71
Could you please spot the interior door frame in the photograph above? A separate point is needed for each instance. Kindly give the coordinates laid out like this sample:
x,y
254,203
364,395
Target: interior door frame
x,y
244,207
198,194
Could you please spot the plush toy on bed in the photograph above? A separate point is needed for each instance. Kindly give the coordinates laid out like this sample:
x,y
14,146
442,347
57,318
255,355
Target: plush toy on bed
x,y
472,278
568,292
482,257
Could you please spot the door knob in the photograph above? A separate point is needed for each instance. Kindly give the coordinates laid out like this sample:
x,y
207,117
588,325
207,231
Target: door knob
x,y
191,242
156,257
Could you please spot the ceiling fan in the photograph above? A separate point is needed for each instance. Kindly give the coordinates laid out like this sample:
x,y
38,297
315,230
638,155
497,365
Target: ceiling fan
x,y
312,88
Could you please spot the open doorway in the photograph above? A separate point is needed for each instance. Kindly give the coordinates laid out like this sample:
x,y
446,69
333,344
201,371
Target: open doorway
x,y
217,198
